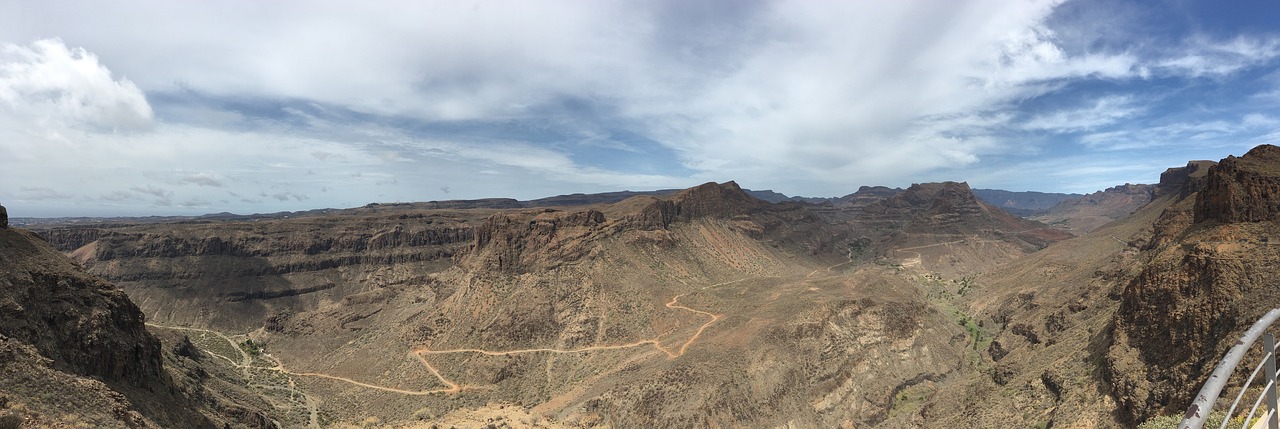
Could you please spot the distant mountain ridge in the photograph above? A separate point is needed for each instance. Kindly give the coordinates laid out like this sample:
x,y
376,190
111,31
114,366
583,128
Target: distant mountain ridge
x,y
1023,203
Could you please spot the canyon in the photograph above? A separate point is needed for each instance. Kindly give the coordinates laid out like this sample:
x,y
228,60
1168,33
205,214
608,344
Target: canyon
x,y
704,307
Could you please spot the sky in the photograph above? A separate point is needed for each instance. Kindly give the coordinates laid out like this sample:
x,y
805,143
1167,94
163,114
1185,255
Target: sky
x,y
153,107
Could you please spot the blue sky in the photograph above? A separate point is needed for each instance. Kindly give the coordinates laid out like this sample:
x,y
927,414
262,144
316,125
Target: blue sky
x,y
152,107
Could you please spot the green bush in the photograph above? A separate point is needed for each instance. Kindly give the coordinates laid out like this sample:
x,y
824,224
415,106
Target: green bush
x,y
254,349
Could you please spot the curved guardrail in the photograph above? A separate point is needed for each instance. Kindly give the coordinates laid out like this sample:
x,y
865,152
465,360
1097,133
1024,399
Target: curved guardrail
x,y
1198,412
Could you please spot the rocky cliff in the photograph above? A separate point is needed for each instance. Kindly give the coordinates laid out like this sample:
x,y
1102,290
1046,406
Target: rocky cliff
x,y
1243,189
952,208
1092,211
84,324
66,334
176,271
1209,274
1183,181
518,242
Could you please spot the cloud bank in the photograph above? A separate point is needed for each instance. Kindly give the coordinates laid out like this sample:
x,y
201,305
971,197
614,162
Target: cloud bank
x,y
247,106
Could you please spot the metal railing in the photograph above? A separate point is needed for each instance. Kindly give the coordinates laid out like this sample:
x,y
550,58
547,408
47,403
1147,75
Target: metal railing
x,y
1200,409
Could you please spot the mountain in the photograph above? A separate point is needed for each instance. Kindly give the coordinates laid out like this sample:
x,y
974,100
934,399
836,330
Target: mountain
x,y
1087,213
709,306
1122,324
1022,203
1209,273
74,352
704,306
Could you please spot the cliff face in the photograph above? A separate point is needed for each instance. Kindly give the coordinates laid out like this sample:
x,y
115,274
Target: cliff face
x,y
1209,274
519,242
936,206
1242,189
66,334
952,208
514,243
1184,180
86,325
1092,211
177,271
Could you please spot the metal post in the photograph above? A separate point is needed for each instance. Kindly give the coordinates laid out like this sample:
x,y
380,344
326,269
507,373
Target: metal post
x,y
1269,346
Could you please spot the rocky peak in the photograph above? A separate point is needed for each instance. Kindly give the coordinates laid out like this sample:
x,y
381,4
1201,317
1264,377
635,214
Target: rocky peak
x,y
712,199
4,217
1184,179
937,198
1242,189
877,191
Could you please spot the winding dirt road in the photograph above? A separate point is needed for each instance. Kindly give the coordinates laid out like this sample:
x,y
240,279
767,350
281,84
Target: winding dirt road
x,y
246,365
421,352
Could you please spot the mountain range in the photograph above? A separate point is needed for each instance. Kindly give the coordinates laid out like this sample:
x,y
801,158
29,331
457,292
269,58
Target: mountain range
x,y
931,306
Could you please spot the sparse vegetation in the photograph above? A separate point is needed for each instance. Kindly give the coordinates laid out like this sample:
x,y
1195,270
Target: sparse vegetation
x,y
967,284
253,348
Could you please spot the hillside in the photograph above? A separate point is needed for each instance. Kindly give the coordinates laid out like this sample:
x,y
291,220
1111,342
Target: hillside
x,y
1092,211
1209,274
1123,324
74,352
701,307
709,307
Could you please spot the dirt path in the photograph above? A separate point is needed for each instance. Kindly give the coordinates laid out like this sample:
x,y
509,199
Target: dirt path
x,y
246,366
918,260
421,352
850,261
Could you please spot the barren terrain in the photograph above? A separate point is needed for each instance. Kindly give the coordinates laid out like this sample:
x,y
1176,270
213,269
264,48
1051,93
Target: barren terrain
x,y
703,307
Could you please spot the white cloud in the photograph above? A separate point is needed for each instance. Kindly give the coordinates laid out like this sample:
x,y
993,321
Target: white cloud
x,y
1103,111
1225,132
55,85
1203,57
205,179
804,97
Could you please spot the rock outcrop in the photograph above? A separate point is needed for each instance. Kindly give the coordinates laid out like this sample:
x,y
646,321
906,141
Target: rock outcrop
x,y
952,208
1210,274
517,242
1184,180
86,325
1092,211
66,334
1242,189
4,217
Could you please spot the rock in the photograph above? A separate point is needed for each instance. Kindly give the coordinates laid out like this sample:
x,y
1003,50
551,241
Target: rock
x,y
4,217
1207,278
1242,189
83,323
1184,179
716,200
517,242
86,329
